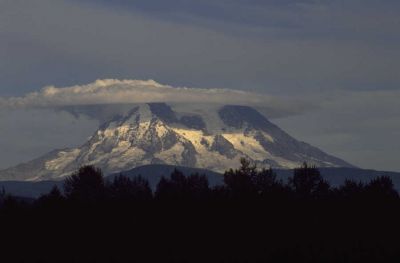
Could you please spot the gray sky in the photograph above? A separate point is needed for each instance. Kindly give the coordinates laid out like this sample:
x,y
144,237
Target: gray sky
x,y
341,57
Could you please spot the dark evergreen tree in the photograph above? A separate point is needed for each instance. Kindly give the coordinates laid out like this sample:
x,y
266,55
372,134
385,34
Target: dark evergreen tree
x,y
2,195
351,190
12,204
163,189
198,186
53,199
124,189
307,182
241,182
173,187
178,180
381,188
86,185
180,187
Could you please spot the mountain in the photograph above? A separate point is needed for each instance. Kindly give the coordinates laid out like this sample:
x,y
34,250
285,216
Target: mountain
x,y
209,138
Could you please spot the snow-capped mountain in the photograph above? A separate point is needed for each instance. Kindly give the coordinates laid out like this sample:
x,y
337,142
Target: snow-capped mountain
x,y
154,133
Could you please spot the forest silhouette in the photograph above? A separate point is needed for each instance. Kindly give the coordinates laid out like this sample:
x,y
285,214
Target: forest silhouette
x,y
253,217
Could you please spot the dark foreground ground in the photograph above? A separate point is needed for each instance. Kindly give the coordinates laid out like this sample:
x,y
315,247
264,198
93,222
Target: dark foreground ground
x,y
212,232
253,218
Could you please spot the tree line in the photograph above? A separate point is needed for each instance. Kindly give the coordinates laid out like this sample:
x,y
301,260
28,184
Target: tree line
x,y
252,217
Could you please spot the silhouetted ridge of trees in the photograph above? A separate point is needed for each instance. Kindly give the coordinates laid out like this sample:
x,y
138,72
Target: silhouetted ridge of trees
x,y
124,189
253,217
88,186
181,188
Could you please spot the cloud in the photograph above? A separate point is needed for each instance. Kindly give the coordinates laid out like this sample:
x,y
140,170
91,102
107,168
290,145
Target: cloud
x,y
113,91
59,117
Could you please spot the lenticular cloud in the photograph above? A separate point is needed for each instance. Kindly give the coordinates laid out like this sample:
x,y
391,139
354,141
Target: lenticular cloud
x,y
111,91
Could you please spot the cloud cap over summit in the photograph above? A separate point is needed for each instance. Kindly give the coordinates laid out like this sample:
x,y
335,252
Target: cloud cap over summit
x,y
113,91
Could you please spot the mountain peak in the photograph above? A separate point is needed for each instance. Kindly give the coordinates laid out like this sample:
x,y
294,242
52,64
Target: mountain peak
x,y
154,133
237,116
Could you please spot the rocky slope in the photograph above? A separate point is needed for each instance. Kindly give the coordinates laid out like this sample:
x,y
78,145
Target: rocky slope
x,y
156,134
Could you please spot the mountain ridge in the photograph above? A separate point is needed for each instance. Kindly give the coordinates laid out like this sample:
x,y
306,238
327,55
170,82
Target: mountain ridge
x,y
153,133
153,173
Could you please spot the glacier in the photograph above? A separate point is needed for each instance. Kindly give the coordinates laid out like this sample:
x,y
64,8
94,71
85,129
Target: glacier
x,y
213,138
